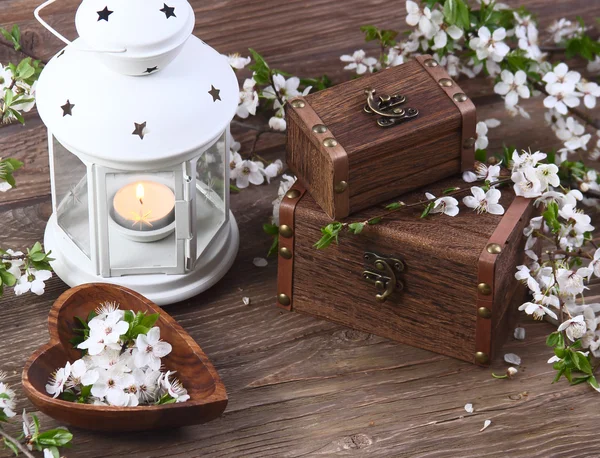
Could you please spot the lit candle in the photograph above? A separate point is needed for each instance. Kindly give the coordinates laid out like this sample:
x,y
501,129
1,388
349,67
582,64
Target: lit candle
x,y
144,206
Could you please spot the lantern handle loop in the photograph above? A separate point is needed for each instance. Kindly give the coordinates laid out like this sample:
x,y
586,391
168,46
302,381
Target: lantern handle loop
x,y
53,31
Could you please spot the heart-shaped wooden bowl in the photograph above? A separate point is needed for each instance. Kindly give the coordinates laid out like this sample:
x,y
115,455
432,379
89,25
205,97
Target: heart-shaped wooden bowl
x,y
208,397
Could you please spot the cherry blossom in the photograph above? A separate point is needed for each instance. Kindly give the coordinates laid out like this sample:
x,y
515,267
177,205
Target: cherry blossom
x,y
512,87
32,280
487,44
149,349
484,202
58,380
574,328
359,62
590,91
445,205
248,99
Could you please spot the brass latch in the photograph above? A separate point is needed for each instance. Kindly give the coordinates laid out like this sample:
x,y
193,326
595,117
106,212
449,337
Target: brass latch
x,y
388,107
385,275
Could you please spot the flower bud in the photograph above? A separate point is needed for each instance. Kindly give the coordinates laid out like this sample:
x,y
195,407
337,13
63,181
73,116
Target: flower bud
x,y
584,187
511,371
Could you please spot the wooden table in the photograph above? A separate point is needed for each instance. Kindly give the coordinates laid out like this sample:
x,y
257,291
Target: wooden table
x,y
299,386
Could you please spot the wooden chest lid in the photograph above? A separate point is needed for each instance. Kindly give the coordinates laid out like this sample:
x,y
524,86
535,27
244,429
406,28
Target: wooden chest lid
x,y
350,151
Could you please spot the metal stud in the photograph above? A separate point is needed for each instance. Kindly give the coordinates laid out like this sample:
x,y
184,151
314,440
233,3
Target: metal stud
x,y
481,357
484,312
484,289
319,128
285,231
431,63
292,194
330,142
285,253
494,248
340,187
469,143
298,103
460,97
445,82
283,299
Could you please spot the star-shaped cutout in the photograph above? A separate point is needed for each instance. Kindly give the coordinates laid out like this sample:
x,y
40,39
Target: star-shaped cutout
x,y
151,69
103,15
139,129
215,93
168,10
66,108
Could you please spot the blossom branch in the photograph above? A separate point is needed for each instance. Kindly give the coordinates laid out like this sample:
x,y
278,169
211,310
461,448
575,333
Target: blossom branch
x,y
16,443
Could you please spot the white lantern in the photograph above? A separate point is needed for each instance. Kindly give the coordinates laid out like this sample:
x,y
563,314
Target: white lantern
x,y
138,113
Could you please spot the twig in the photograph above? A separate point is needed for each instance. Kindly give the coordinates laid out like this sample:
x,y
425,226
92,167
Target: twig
x,y
425,202
277,94
20,446
8,257
23,51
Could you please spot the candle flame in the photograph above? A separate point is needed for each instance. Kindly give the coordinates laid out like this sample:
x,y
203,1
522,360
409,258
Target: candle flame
x,y
139,193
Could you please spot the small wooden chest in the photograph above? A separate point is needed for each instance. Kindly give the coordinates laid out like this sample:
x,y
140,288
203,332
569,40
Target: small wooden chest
x,y
451,278
351,153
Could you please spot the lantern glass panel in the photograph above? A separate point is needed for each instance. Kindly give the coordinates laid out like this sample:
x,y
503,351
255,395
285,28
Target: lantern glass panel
x,y
211,211
141,222
71,195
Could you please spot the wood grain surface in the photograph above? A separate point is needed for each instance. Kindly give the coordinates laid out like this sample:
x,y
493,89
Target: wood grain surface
x,y
299,386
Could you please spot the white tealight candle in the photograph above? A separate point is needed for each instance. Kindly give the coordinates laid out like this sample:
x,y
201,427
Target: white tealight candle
x,y
144,206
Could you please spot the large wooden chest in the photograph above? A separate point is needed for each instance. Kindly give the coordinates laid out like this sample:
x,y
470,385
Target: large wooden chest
x,y
352,153
452,281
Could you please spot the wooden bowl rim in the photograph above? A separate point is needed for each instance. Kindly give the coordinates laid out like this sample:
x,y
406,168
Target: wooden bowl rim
x,y
218,394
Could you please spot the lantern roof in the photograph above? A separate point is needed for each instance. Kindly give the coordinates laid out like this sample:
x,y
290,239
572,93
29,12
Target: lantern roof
x,y
137,122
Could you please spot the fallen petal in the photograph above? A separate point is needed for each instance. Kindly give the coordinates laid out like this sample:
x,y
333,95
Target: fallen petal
x,y
520,333
486,424
511,358
246,300
260,262
469,408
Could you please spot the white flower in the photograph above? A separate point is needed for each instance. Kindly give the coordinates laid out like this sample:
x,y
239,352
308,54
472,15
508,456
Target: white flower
x,y
561,75
248,99
548,175
237,61
80,375
277,123
48,453
529,41
593,66
111,384
560,85
590,91
580,221
7,401
359,62
574,328
527,183
285,88
486,44
33,280
512,87
483,172
394,57
559,29
149,349
537,310
484,202
524,275
146,384
58,380
482,141
594,265
272,170
15,264
286,183
572,133
247,172
535,224
440,39
429,21
571,282
104,333
444,205
526,160
174,388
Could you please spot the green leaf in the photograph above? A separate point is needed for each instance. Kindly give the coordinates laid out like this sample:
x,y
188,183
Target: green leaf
x,y
14,164
552,339
128,316
58,437
274,247
149,320
234,188
271,229
7,278
427,209
449,190
36,424
395,205
481,155
450,11
578,380
593,382
330,234
137,330
262,72
356,228
582,362
11,446
374,221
